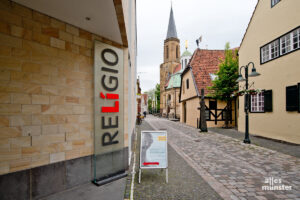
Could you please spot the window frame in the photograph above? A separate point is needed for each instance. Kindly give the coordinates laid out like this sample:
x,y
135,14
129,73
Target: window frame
x,y
263,102
279,39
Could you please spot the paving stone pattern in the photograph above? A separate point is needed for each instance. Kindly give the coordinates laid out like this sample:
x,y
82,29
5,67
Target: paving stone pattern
x,y
184,182
239,168
290,149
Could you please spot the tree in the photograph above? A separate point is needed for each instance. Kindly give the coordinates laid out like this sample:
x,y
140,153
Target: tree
x,y
157,96
150,105
225,84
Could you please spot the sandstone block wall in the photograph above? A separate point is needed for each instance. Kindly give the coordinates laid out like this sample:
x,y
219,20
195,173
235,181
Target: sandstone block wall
x,y
46,89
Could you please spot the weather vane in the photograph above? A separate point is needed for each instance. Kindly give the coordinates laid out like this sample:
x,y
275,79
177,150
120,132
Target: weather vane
x,y
198,41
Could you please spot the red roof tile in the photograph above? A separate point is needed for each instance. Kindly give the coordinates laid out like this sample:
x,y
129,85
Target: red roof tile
x,y
167,83
204,62
177,68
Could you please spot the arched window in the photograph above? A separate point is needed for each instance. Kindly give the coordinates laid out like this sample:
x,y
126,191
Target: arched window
x,y
177,51
167,51
185,62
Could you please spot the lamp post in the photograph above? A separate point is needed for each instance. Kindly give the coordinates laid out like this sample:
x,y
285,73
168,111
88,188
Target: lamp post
x,y
247,97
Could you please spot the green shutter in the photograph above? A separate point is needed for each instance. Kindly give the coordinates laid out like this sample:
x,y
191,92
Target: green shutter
x,y
268,101
292,98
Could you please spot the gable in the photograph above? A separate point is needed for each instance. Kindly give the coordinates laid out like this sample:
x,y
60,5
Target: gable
x,y
187,93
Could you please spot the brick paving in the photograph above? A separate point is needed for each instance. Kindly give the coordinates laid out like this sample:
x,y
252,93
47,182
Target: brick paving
x,y
290,149
233,169
184,182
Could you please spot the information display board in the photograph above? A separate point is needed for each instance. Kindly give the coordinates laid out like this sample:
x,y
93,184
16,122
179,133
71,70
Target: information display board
x,y
153,152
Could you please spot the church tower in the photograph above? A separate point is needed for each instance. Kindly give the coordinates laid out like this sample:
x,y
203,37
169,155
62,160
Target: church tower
x,y
171,58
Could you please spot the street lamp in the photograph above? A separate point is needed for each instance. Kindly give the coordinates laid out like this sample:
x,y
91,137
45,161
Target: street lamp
x,y
247,99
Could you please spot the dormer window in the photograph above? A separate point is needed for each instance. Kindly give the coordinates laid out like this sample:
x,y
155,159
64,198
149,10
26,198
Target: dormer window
x,y
274,2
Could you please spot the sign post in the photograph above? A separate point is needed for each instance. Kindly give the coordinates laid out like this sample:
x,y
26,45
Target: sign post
x,y
153,151
108,114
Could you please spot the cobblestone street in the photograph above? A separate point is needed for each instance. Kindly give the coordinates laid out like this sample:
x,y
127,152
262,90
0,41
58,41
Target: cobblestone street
x,y
233,169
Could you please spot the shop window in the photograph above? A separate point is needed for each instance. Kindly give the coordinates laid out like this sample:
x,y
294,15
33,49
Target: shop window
x,y
292,95
187,83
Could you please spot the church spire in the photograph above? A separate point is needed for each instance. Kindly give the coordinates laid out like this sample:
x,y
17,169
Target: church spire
x,y
172,33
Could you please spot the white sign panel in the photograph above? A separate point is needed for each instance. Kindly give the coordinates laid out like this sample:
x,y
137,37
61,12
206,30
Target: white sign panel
x,y
108,107
153,152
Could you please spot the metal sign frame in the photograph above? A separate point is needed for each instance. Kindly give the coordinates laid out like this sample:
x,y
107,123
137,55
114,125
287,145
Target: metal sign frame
x,y
167,163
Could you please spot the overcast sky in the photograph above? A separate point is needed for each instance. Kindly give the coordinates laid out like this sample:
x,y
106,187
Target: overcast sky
x,y
218,21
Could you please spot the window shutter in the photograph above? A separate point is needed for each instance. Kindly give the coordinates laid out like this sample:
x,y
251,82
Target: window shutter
x,y
299,97
268,101
292,98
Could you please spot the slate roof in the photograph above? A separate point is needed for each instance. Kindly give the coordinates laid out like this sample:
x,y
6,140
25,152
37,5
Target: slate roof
x,y
172,33
203,63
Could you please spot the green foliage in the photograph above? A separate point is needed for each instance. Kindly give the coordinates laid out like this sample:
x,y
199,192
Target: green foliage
x,y
157,96
225,84
150,105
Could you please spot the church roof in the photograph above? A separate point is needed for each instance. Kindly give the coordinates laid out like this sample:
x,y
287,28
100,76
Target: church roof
x,y
172,33
177,68
175,81
186,53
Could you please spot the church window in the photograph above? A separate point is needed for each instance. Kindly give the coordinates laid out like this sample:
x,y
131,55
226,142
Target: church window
x,y
176,51
167,51
185,62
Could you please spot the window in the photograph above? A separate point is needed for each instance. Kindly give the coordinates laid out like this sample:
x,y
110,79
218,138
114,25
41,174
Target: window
x,y
296,38
167,51
270,51
265,54
257,102
281,46
274,49
292,98
185,62
285,42
176,51
187,83
274,2
212,105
